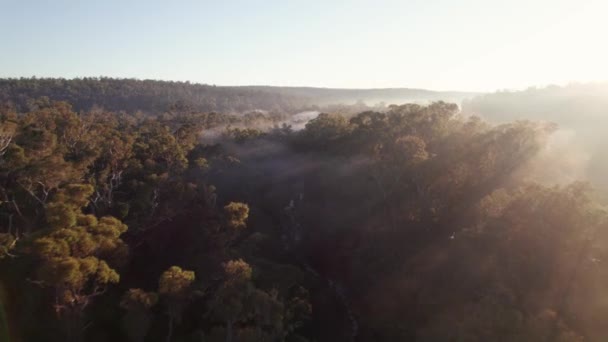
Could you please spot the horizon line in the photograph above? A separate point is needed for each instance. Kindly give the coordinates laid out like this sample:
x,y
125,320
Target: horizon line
x,y
565,84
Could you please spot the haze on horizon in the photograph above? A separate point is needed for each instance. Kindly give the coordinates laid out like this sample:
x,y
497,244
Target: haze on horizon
x,y
470,45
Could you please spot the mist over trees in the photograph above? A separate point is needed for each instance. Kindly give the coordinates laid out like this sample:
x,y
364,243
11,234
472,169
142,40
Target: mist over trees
x,y
572,105
405,223
579,110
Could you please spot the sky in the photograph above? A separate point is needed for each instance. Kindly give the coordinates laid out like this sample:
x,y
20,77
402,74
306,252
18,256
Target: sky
x,y
472,45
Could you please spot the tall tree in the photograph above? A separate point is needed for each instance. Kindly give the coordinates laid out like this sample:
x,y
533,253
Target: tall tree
x,y
74,255
175,286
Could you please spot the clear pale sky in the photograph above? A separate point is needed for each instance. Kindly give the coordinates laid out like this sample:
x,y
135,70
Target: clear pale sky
x,y
436,44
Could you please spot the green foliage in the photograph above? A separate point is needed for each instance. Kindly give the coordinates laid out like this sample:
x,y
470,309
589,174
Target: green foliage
x,y
138,318
326,129
74,255
175,282
174,286
236,214
136,299
7,243
242,135
249,311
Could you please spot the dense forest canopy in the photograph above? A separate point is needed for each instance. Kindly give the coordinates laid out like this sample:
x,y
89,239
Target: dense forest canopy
x,y
155,97
410,223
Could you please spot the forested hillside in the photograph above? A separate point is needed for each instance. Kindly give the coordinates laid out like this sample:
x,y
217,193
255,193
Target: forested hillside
x,y
156,97
410,224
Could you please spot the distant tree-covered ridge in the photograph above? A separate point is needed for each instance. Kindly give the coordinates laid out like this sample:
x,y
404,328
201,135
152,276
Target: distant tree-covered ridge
x,y
155,97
